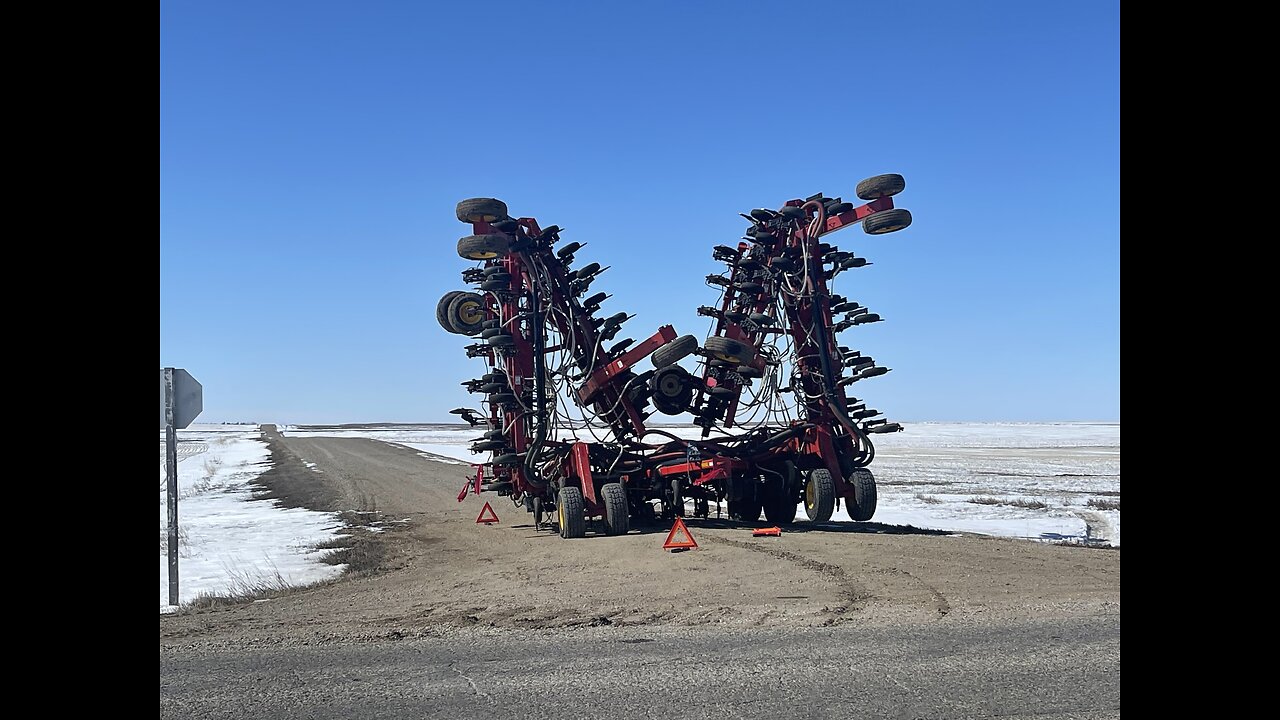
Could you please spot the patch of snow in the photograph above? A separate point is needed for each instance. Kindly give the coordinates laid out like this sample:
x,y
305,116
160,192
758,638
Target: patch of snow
x,y
227,538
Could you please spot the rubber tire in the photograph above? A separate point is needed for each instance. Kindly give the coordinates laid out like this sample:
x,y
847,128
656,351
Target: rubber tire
x,y
442,309
464,306
569,510
674,351
878,186
781,509
729,350
617,513
749,510
488,210
887,221
502,340
678,403
507,459
863,503
502,398
483,247
819,495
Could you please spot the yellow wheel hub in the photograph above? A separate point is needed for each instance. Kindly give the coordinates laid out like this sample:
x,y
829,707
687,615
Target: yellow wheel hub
x,y
482,255
470,312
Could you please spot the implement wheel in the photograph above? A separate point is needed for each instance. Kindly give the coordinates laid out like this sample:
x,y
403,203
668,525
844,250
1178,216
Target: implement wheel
x,y
862,505
483,247
819,495
442,309
780,505
879,186
672,352
466,313
570,509
886,221
730,351
617,515
474,210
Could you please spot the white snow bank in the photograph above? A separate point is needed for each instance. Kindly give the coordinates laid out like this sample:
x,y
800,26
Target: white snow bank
x,y
228,540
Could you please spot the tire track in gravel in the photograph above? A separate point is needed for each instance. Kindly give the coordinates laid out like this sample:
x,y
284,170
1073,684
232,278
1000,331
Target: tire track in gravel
x,y
855,594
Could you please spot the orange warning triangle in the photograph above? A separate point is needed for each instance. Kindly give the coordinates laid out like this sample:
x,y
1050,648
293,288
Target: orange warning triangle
x,y
487,515
679,537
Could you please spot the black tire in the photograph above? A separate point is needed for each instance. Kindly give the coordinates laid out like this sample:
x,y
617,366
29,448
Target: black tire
x,y
473,210
819,495
502,340
502,398
780,506
617,515
863,503
490,332
886,221
483,247
745,510
730,351
466,313
489,445
747,371
879,186
570,509
442,309
672,390
674,351
507,459
537,512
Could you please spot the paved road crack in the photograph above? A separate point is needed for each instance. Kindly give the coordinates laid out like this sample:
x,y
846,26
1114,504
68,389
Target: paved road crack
x,y
474,688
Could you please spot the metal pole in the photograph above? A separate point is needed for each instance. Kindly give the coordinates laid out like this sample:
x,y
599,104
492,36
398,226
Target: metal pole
x,y
171,483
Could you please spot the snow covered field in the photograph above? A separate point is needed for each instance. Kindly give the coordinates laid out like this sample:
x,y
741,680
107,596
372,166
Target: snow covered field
x,y
229,541
1044,481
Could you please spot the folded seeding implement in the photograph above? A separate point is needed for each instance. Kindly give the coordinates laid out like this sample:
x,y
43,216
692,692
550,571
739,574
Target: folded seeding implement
x,y
566,405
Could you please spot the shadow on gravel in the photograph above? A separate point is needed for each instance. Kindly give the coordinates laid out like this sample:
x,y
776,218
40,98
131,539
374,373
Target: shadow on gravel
x,y
695,524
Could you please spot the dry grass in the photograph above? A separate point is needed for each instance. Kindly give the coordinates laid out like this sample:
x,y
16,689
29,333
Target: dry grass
x,y
929,499
1097,504
244,587
1025,503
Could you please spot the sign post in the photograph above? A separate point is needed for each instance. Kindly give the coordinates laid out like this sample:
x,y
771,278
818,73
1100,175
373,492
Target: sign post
x,y
181,400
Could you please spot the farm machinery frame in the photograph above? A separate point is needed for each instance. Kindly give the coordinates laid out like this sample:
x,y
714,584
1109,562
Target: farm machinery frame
x,y
566,403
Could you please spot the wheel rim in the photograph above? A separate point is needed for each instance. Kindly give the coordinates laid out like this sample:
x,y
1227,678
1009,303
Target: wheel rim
x,y
671,386
481,255
470,312
810,499
727,358
889,229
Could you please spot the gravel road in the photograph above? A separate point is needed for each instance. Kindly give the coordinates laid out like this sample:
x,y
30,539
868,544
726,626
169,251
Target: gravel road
x,y
440,617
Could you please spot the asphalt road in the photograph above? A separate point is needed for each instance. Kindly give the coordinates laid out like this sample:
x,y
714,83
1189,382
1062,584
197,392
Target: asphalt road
x,y
1066,668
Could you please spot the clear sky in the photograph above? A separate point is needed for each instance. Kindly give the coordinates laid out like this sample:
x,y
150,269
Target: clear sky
x,y
311,154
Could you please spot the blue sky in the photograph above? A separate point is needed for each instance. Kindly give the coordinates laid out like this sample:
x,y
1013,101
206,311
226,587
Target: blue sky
x,y
311,155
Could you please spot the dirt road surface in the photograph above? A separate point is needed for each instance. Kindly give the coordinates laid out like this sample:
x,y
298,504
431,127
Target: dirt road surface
x,y
442,617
